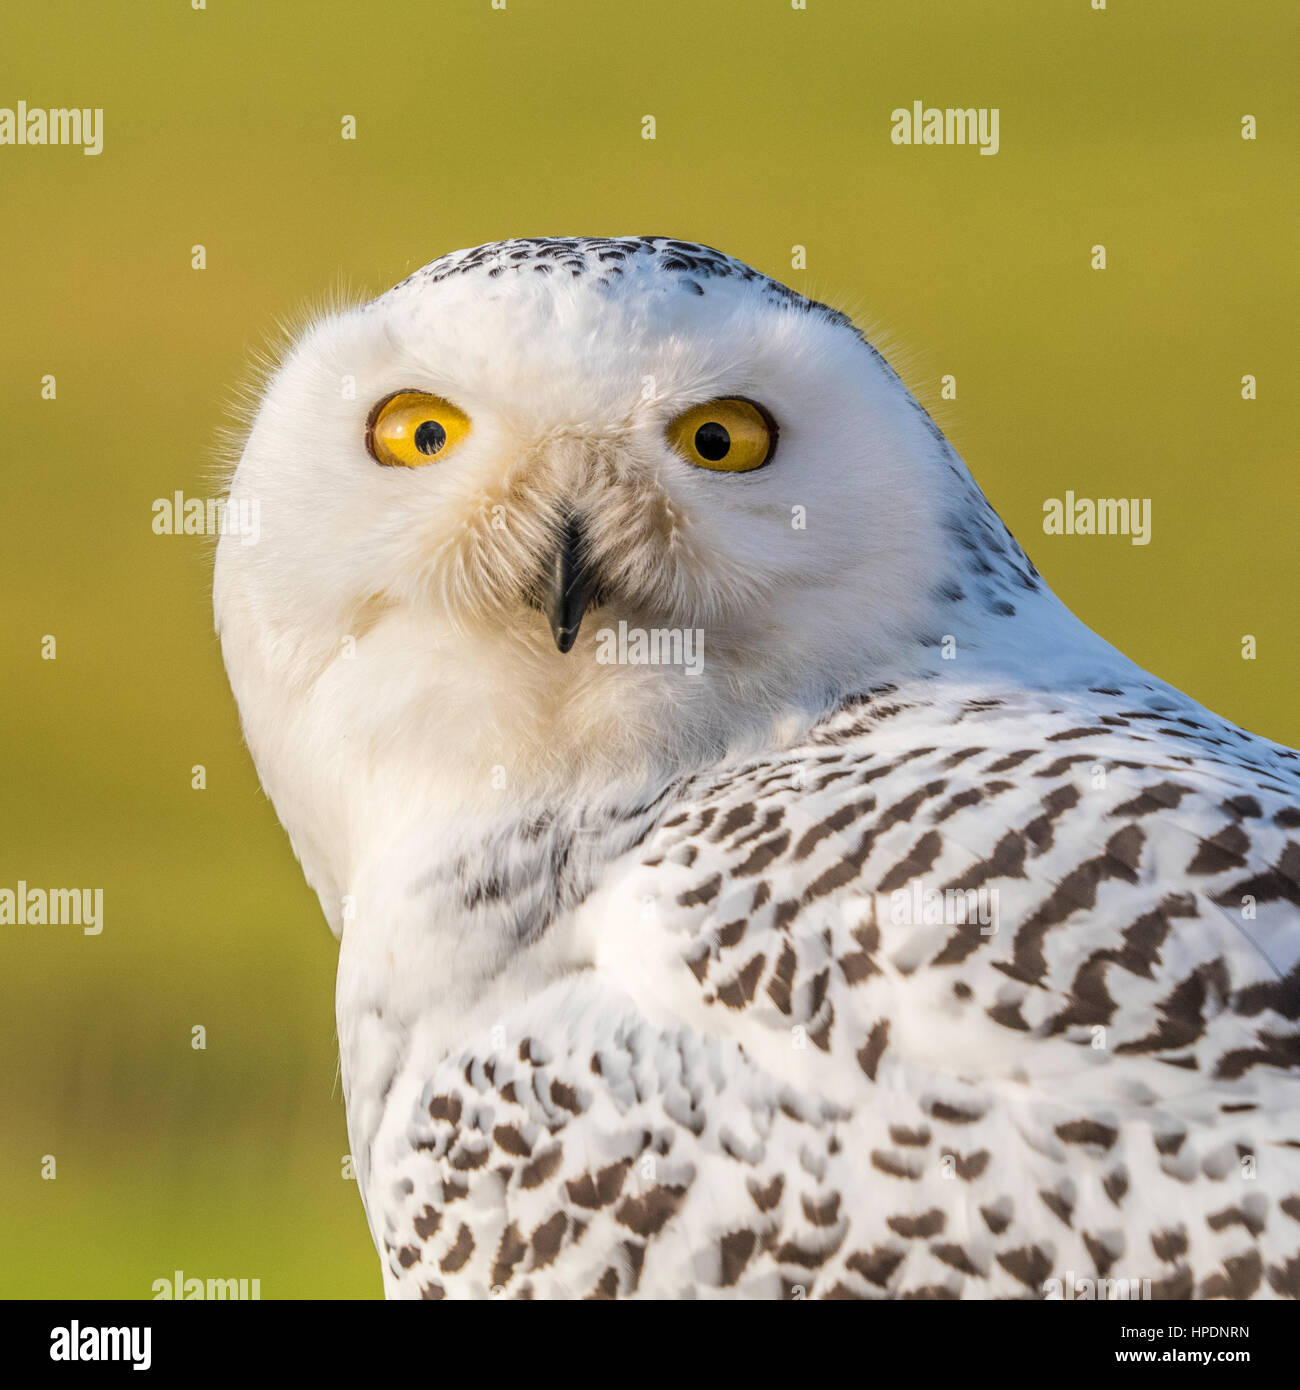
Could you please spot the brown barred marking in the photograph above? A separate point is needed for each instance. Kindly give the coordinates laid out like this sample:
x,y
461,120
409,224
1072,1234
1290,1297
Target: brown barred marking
x,y
646,1215
873,1049
763,854
775,917
1115,1186
823,1213
1103,1258
1240,1277
951,1114
1029,1264
1165,796
998,1216
510,1251
1181,1015
704,893
1076,892
920,859
957,1257
1059,1206
735,1249
1284,1279
458,1256
1179,1286
427,1222
1226,850
601,1189
1087,1132
875,1266
766,1197
445,1108
509,1138
543,1167
968,1167
896,1167
739,992
1169,1245
922,1227
1235,1216
833,824
1013,760
566,1097
737,818
547,1239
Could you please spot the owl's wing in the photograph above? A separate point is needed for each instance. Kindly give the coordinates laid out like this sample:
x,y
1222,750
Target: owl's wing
x,y
982,995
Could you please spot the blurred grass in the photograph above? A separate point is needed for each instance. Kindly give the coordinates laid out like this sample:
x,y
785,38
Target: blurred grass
x,y
221,127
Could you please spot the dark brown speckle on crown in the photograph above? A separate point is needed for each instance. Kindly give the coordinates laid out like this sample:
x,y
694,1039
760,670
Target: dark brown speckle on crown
x,y
606,259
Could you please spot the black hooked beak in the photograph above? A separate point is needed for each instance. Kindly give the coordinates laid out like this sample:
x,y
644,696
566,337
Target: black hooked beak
x,y
568,585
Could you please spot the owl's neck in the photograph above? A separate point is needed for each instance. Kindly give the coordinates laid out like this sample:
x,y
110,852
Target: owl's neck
x,y
460,922
994,615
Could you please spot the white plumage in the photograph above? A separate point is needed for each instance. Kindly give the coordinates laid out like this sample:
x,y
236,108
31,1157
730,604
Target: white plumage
x,y
918,944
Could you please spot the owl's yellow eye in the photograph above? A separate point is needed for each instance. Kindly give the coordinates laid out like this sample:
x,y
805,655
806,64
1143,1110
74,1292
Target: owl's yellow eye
x,y
729,435
411,428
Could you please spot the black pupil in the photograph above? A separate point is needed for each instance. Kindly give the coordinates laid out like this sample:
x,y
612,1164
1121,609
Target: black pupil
x,y
712,441
430,437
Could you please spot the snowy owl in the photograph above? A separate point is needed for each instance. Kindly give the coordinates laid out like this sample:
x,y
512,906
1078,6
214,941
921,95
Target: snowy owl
x,y
751,880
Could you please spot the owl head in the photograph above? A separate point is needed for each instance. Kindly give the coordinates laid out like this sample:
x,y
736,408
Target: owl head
x,y
559,511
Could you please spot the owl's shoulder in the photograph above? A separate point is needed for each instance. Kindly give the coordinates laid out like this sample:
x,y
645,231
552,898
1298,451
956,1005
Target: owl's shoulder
x,y
1029,864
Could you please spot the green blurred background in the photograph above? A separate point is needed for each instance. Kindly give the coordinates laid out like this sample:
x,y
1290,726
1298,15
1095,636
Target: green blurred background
x,y
222,127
